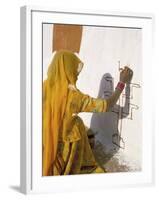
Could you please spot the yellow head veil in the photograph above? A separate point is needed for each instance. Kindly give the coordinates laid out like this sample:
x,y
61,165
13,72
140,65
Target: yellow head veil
x,y
62,71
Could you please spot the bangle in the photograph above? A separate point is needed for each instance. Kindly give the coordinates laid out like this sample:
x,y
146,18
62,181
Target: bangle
x,y
120,86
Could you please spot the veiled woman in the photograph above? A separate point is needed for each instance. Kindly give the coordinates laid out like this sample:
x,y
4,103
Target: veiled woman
x,y
66,148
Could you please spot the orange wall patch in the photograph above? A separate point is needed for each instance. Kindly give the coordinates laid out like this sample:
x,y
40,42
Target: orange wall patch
x,y
67,37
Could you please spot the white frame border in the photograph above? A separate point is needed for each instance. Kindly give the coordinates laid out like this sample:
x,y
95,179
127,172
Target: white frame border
x,y
26,175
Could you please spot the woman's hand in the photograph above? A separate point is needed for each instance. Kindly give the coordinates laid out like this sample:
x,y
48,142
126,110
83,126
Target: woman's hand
x,y
126,75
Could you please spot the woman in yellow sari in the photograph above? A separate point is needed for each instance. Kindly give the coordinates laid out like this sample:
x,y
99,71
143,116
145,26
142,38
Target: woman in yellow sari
x,y
66,149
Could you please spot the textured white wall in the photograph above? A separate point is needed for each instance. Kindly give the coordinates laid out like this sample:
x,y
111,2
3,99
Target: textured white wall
x,y
101,49
47,47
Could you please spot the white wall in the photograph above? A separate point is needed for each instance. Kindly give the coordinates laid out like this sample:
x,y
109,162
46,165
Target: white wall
x,y
101,49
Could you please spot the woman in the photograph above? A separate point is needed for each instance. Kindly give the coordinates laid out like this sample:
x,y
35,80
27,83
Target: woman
x,y
66,149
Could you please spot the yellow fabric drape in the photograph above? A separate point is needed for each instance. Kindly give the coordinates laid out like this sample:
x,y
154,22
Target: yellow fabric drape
x,y
74,153
62,71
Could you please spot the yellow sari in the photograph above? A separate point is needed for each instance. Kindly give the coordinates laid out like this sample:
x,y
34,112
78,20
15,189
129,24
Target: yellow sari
x,y
66,149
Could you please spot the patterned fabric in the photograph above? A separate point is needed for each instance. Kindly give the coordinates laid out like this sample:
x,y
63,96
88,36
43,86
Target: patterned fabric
x,y
62,71
75,155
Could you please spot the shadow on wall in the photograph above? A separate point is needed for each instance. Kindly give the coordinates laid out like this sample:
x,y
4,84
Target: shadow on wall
x,y
106,126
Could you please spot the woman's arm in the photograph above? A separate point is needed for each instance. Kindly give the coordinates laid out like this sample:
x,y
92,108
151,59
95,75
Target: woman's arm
x,y
125,77
90,104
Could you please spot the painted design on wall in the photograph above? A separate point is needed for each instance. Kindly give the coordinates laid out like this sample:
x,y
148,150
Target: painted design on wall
x,y
110,125
124,111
